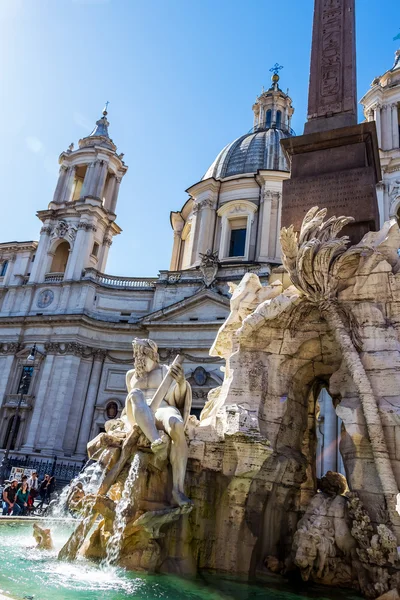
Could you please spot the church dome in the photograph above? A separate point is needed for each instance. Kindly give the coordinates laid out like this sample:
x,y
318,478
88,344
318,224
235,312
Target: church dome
x,y
260,149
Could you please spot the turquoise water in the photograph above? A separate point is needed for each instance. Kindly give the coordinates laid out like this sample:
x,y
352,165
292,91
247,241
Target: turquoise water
x,y
27,572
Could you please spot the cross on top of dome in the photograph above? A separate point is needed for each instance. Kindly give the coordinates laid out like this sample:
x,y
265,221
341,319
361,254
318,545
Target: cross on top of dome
x,y
275,70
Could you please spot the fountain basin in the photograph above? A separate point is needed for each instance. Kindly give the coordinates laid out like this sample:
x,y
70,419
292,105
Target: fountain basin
x,y
26,572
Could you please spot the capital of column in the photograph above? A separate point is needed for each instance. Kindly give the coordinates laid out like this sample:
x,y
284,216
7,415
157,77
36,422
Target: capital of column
x,y
46,230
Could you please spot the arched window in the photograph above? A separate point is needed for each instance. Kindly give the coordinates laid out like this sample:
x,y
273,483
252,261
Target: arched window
x,y
268,118
278,119
8,433
60,258
3,268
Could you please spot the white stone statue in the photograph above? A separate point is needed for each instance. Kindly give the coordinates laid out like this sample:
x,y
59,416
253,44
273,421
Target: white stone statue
x,y
170,416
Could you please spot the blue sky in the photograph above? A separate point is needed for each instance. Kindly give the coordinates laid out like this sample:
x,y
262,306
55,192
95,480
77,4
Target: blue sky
x,y
181,77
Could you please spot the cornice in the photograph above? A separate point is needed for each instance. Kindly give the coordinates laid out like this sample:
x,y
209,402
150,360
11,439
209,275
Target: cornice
x,y
18,246
202,186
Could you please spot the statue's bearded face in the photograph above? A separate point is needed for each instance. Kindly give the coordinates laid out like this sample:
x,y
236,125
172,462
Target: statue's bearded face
x,y
144,360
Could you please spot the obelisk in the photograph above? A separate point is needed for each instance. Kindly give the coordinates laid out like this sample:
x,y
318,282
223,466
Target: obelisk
x,y
335,164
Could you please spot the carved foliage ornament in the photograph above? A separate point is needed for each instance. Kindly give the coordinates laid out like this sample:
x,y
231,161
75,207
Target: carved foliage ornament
x,y
207,203
9,348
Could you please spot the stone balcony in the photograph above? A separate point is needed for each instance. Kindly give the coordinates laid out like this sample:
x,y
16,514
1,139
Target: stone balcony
x,y
53,277
116,282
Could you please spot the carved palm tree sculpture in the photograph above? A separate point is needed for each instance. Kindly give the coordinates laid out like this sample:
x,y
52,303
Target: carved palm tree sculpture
x,y
317,261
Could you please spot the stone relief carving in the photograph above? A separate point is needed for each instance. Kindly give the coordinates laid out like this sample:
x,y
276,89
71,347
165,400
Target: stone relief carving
x,y
317,260
10,348
64,230
174,277
74,348
209,266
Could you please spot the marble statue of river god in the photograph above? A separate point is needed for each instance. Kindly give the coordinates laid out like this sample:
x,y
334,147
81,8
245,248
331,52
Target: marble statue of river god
x,y
137,495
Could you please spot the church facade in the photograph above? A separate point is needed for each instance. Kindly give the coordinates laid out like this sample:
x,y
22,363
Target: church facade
x,y
56,293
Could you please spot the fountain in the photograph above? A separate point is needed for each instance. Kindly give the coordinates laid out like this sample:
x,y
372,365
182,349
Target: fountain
x,y
254,506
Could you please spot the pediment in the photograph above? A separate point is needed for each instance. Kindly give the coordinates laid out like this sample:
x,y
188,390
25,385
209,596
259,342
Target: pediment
x,y
205,306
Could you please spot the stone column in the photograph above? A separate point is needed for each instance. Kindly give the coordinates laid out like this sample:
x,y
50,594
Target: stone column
x,y
273,224
39,263
58,193
377,111
265,224
10,270
386,127
174,266
114,197
64,400
40,400
61,391
395,126
80,251
6,362
90,402
102,261
87,181
109,192
278,225
101,180
69,182
205,230
383,210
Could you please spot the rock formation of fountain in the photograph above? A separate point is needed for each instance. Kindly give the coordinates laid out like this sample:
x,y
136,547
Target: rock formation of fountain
x,y
332,319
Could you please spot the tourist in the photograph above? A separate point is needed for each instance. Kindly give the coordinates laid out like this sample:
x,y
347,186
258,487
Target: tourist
x,y
24,479
21,498
42,488
33,483
50,488
9,504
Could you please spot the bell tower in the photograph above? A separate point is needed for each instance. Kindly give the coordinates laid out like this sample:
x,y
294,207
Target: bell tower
x,y
79,224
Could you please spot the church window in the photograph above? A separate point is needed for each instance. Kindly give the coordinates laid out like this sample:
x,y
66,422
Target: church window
x,y
3,268
60,258
236,226
237,241
278,119
95,250
268,118
25,380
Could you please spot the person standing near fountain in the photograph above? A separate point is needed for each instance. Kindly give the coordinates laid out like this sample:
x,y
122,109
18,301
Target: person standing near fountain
x,y
21,497
9,493
172,414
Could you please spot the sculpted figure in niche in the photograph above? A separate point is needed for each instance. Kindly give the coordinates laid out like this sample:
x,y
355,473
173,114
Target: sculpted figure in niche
x,y
323,543
172,414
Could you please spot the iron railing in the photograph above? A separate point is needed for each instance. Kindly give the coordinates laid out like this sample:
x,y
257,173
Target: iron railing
x,y
62,471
